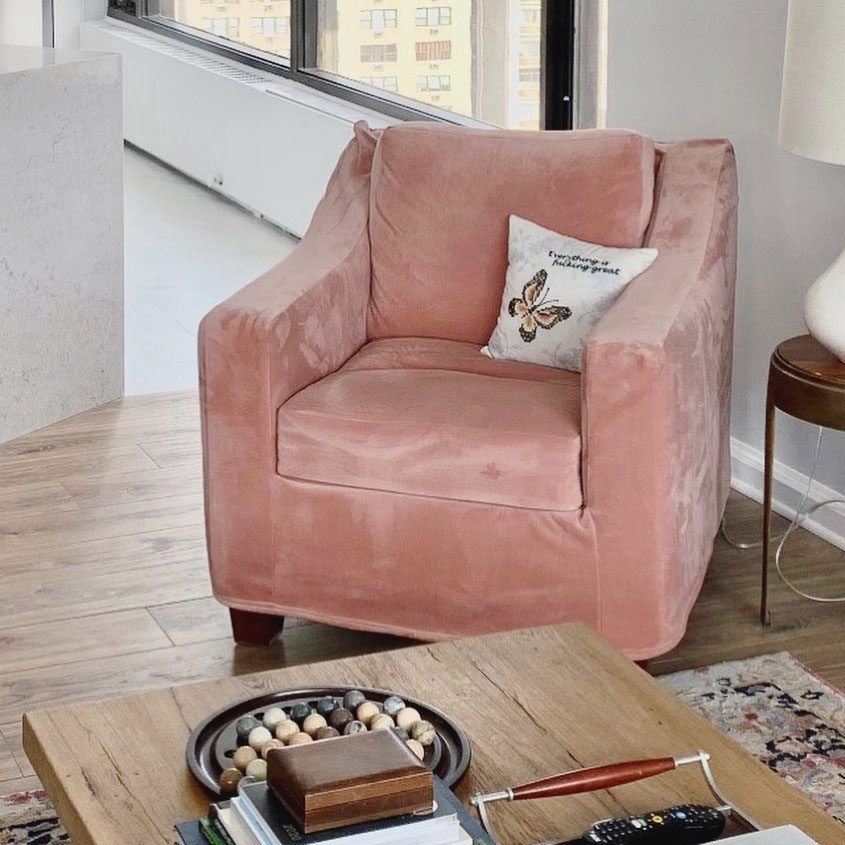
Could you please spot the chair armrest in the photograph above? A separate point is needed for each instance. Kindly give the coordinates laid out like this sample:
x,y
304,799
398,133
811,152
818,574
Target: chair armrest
x,y
295,324
656,398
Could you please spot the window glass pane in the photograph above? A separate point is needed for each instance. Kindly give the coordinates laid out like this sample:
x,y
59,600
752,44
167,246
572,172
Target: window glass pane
x,y
261,24
479,58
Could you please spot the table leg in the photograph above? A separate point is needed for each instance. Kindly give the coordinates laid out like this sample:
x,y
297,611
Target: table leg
x,y
767,508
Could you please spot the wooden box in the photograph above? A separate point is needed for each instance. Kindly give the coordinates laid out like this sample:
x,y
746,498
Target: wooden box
x,y
349,779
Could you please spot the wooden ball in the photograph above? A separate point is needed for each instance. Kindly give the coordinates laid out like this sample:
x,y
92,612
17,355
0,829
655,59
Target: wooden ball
x,y
325,706
366,712
285,730
381,722
229,780
392,705
423,732
257,769
313,723
406,717
300,739
243,727
270,745
258,736
353,699
340,718
272,718
300,711
416,748
326,733
243,757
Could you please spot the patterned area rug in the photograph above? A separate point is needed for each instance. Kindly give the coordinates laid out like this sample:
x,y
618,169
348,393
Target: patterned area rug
x,y
28,818
772,706
779,712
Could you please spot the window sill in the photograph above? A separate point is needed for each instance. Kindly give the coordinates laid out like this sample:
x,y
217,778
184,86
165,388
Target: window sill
x,y
270,83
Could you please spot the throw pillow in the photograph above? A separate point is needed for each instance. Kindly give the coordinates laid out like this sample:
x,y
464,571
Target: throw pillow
x,y
556,289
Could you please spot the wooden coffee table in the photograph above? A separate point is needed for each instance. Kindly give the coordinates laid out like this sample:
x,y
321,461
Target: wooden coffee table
x,y
534,702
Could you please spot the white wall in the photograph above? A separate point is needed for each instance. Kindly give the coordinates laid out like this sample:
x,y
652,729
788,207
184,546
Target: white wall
x,y
20,22
713,68
68,14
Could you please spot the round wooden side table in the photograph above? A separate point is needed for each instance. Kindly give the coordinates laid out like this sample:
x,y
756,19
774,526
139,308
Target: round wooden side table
x,y
807,382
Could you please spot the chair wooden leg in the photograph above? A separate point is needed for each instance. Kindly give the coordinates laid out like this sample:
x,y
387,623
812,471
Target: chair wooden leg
x,y
250,628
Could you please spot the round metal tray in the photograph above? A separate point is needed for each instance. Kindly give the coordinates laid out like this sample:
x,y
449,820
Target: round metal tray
x,y
213,742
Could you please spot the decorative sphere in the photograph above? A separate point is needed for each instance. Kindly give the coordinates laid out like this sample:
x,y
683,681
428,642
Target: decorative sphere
x,y
366,712
299,712
229,780
406,717
258,736
243,727
285,730
402,734
381,722
326,733
269,746
423,732
325,706
354,699
393,705
257,769
355,727
313,723
272,718
243,757
416,748
300,739
340,718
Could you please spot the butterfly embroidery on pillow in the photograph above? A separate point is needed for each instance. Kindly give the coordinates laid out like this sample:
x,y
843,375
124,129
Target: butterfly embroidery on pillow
x,y
535,310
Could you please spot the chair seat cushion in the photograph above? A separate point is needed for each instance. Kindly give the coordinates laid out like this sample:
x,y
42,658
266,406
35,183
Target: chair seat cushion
x,y
430,417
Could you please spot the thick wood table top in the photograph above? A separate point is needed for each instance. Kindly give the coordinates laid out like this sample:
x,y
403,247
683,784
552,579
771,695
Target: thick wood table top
x,y
534,702
805,356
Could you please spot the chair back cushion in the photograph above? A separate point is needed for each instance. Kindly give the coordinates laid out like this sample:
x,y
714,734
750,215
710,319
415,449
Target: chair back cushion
x,y
439,207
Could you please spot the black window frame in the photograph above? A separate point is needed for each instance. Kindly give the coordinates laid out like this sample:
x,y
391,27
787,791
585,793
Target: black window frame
x,y
557,52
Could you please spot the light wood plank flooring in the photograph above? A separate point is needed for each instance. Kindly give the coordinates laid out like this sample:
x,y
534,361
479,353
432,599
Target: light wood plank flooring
x,y
104,588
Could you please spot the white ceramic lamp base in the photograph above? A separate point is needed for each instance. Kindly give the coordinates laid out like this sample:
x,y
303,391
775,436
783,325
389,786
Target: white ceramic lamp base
x,y
824,308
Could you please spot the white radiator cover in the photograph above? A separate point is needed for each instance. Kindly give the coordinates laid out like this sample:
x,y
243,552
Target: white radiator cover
x,y
265,142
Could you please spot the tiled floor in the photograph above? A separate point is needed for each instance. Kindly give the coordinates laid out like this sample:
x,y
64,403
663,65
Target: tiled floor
x,y
186,250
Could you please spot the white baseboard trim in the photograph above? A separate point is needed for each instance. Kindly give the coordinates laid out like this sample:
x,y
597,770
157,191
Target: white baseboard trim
x,y
789,488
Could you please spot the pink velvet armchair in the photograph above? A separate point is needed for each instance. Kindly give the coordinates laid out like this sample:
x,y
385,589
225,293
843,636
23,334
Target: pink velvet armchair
x,y
365,466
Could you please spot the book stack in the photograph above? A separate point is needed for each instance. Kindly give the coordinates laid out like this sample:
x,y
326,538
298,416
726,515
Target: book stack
x,y
364,789
256,817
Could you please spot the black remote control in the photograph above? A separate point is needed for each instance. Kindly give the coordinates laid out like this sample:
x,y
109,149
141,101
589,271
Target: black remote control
x,y
686,824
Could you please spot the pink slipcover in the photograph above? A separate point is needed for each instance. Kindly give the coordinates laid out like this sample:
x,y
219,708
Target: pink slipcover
x,y
436,418
439,208
339,488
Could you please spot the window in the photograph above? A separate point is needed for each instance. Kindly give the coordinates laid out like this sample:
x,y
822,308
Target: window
x,y
386,83
378,53
268,27
502,62
433,16
433,51
378,19
434,83
531,16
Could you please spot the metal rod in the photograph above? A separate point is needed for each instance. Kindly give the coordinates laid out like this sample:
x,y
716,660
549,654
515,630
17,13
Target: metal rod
x,y
48,24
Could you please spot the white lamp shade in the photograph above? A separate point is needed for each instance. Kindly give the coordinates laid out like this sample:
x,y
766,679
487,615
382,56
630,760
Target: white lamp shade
x,y
812,107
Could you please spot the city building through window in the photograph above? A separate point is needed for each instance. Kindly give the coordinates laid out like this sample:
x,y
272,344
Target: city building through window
x,y
493,61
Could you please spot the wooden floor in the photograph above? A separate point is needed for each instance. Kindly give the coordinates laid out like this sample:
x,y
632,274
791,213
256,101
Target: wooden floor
x,y
104,588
